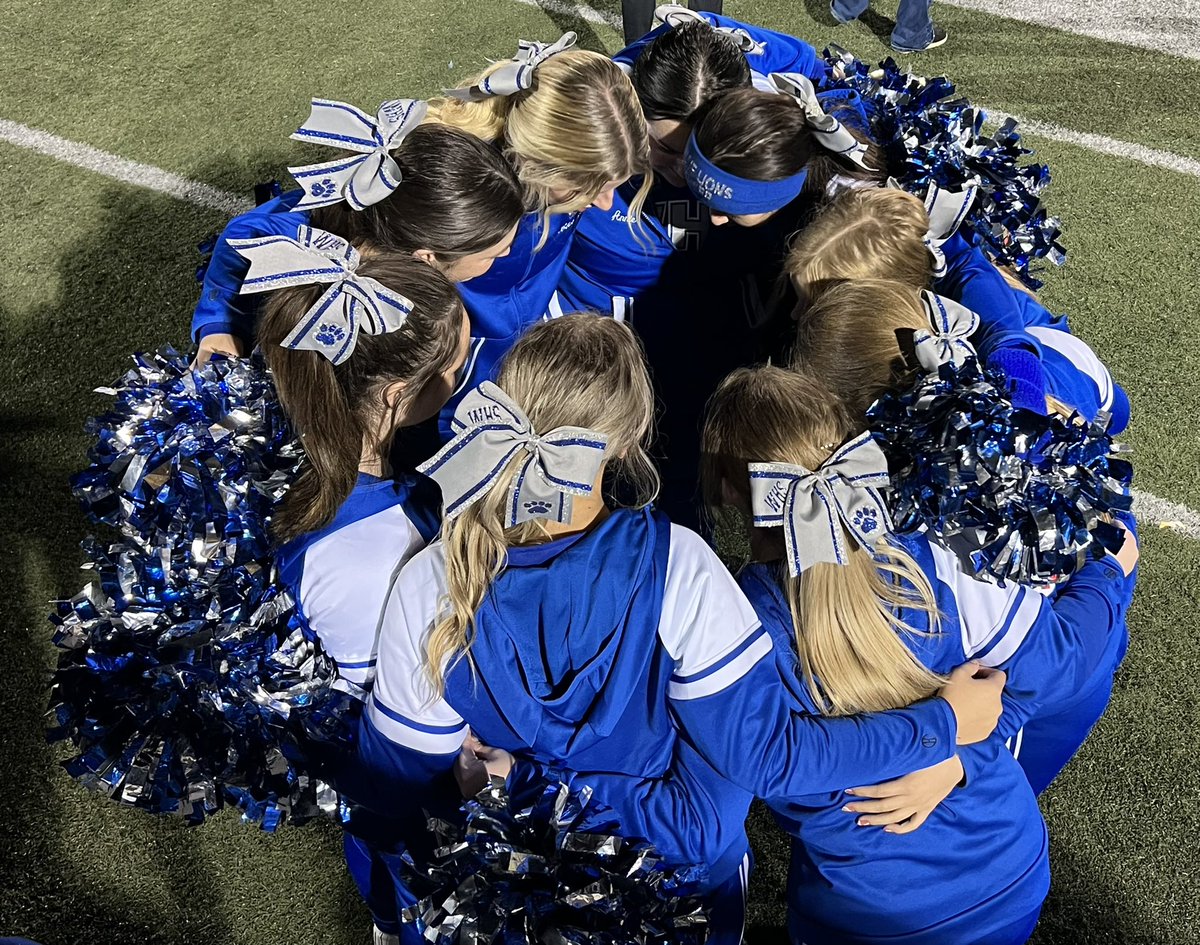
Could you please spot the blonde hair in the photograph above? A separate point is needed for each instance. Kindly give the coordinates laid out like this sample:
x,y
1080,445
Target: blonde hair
x,y
578,128
847,338
862,234
580,370
849,636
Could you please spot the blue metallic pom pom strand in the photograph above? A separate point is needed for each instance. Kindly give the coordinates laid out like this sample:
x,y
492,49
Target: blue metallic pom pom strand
x,y
930,134
1016,495
186,681
525,873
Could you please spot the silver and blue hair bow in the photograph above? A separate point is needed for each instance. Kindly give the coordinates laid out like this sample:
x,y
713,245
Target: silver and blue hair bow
x,y
948,339
947,209
371,174
351,304
830,132
492,430
812,506
675,16
516,75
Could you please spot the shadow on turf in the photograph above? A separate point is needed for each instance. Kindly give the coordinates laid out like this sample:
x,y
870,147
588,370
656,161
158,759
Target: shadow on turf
x,y
877,23
126,286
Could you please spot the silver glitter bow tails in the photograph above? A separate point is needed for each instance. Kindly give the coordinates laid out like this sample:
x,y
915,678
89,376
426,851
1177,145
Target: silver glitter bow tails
x,y
812,506
563,463
948,341
368,176
830,132
947,209
516,75
351,304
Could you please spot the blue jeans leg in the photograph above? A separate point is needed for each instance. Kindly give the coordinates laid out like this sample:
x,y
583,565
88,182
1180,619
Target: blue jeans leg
x,y
914,25
847,10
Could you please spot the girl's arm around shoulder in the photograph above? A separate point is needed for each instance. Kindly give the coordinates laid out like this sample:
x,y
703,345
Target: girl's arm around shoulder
x,y
733,707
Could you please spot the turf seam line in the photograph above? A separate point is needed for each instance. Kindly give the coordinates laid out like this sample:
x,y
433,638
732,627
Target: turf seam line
x,y
1124,22
122,169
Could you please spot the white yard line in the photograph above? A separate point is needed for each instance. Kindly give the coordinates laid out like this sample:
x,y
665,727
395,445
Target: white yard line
x,y
580,10
1163,26
1100,143
1152,510
122,169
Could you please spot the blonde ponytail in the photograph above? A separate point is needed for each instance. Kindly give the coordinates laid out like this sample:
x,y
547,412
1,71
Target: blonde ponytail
x,y
578,128
849,636
580,370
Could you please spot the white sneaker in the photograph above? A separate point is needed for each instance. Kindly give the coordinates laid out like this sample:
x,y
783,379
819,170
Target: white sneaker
x,y
382,938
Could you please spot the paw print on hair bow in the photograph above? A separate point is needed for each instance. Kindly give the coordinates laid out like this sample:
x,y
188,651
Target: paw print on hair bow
x,y
866,520
329,334
537,507
324,188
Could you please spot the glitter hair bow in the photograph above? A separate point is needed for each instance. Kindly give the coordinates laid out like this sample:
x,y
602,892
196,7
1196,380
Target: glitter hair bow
x,y
947,209
811,506
492,430
948,341
371,174
830,132
516,75
675,16
351,304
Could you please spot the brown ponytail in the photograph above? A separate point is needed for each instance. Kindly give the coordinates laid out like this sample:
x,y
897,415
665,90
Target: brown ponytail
x,y
344,411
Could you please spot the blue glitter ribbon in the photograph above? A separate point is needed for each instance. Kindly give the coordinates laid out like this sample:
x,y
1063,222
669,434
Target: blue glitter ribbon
x,y
186,681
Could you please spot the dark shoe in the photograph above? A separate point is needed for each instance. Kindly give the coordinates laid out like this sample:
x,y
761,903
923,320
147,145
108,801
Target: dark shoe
x,y
939,39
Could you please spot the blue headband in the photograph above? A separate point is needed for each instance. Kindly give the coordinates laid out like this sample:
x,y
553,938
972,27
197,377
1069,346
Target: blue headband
x,y
736,196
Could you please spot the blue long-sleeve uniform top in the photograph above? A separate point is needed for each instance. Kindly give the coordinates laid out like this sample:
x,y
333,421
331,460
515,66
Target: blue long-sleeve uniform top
x,y
513,295
614,654
1013,319
221,310
611,268
979,862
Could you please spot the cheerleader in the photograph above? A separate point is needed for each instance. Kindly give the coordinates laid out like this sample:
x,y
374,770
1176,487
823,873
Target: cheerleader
x,y
602,639
848,340
888,233
884,618
433,192
360,346
569,122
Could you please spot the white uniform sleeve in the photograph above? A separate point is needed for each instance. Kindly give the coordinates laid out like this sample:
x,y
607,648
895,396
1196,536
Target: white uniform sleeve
x,y
403,706
707,624
994,620
345,582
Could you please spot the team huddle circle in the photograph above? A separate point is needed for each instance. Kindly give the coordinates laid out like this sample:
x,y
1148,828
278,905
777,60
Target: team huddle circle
x,y
575,456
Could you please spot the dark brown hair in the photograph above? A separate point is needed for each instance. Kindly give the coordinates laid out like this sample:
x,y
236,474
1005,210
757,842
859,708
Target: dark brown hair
x,y
335,408
682,72
763,136
458,196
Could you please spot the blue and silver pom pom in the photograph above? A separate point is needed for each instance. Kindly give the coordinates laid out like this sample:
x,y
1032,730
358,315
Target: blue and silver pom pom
x,y
525,873
930,134
1016,495
186,681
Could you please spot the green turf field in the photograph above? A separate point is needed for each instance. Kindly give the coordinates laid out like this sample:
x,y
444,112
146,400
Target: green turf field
x,y
92,269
